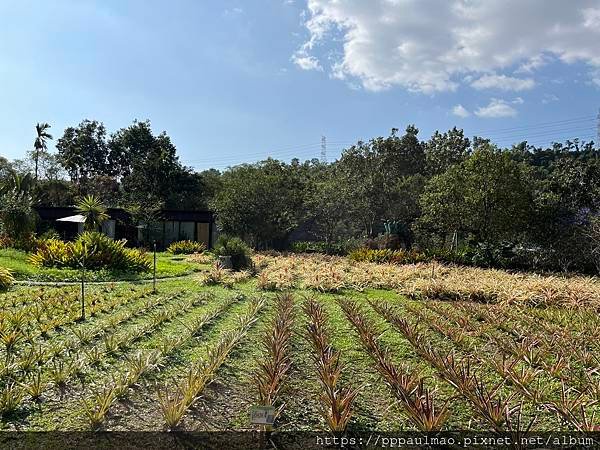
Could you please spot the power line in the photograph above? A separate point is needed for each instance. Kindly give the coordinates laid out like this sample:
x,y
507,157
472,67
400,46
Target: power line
x,y
532,126
542,133
533,134
284,150
555,128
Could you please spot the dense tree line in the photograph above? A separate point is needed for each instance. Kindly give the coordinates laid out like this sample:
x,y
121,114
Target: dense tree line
x,y
518,207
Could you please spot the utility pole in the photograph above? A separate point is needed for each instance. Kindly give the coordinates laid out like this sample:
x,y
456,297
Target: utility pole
x,y
324,149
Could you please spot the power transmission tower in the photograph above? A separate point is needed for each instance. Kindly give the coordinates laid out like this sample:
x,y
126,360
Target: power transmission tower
x,y
324,148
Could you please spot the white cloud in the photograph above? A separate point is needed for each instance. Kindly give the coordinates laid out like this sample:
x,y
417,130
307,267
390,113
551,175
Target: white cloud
x,y
595,78
460,111
306,62
518,101
503,83
549,98
496,108
233,11
432,45
534,63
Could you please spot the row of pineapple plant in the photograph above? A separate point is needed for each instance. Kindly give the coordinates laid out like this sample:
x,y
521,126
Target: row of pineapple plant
x,y
419,403
174,401
79,360
518,368
337,398
275,362
143,362
36,354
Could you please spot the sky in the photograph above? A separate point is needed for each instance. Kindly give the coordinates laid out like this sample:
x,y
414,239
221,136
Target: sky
x,y
238,81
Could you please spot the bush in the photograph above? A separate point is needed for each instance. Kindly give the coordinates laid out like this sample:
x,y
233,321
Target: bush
x,y
186,247
26,241
6,279
388,256
5,241
235,248
383,241
49,234
97,250
332,248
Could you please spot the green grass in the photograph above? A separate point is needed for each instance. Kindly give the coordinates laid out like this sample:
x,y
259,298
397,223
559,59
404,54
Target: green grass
x,y
167,266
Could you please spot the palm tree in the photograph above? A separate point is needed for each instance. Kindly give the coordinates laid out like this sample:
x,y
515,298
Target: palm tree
x,y
94,212
40,142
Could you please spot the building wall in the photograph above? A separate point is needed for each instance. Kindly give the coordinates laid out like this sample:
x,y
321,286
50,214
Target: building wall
x,y
166,232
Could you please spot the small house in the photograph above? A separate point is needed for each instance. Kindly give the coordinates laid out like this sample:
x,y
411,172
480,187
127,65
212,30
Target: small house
x,y
170,226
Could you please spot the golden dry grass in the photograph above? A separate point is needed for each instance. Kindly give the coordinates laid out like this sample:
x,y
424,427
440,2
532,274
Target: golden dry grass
x,y
427,280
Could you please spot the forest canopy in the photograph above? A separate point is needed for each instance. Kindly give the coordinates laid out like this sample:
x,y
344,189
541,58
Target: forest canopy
x,y
523,206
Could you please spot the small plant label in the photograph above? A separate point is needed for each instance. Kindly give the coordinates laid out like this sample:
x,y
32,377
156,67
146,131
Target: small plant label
x,y
262,415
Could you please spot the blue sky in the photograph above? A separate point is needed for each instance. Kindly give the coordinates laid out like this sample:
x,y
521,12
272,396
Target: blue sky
x,y
235,81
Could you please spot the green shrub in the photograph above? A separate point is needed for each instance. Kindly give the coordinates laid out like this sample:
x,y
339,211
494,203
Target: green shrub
x,y
96,250
49,234
331,248
5,241
51,253
387,256
186,247
235,248
6,279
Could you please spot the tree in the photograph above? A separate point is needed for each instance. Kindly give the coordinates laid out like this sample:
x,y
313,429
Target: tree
x,y
94,212
138,156
40,143
326,206
262,202
487,196
445,150
54,193
17,215
6,169
371,172
83,152
592,233
567,195
404,205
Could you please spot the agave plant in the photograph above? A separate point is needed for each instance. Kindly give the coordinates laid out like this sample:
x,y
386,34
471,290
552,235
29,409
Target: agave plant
x,y
94,212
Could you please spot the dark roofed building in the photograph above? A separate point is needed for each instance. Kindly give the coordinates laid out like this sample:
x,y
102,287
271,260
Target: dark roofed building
x,y
174,225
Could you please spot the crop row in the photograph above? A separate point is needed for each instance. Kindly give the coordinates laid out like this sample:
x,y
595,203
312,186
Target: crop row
x,y
527,380
77,365
275,362
174,402
24,362
337,399
143,362
419,403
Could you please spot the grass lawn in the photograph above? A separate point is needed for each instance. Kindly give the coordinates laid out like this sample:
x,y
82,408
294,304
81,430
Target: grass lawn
x,y
167,265
129,364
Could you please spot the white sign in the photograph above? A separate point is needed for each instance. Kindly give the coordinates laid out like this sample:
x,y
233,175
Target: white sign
x,y
262,415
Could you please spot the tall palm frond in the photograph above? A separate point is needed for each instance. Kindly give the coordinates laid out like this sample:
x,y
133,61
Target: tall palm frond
x,y
40,143
94,212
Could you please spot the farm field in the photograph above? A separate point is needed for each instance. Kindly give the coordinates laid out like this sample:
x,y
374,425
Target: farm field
x,y
331,344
